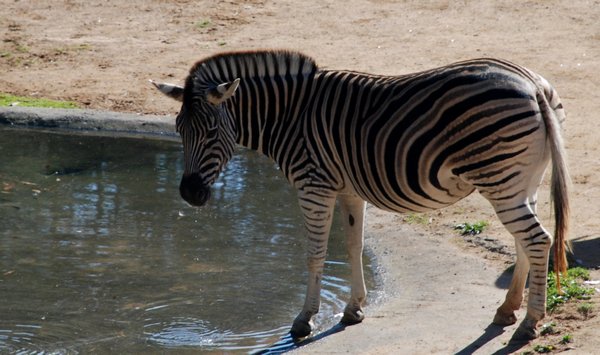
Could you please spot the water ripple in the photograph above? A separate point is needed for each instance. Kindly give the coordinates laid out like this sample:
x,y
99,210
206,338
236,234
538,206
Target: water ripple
x,y
106,258
198,333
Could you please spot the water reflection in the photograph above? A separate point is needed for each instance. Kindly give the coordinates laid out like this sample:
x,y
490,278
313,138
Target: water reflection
x,y
99,253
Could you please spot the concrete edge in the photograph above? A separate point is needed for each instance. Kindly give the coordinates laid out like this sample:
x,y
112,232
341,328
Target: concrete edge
x,y
91,122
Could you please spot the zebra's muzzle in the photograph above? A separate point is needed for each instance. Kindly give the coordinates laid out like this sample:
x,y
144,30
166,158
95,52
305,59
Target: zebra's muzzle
x,y
193,190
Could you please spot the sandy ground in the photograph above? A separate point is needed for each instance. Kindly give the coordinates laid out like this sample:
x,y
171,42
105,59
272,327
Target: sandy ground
x,y
442,291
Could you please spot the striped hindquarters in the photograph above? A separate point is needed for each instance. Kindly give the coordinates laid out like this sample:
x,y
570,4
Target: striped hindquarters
x,y
424,141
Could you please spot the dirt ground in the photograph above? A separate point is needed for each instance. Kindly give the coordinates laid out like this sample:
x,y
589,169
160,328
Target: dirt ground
x,y
439,299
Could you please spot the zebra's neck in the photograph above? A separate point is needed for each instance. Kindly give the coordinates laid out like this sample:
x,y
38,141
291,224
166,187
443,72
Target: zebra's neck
x,y
273,87
267,111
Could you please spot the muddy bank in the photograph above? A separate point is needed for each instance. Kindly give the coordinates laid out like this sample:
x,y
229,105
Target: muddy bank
x,y
90,122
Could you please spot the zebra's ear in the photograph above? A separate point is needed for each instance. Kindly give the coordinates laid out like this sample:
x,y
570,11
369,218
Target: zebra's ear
x,y
222,92
171,90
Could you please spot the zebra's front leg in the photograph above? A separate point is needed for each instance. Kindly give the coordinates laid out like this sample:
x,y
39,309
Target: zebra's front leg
x,y
353,214
317,208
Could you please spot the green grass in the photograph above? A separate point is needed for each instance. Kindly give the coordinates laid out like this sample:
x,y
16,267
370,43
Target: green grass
x,y
11,100
548,328
76,48
543,349
202,24
417,218
585,309
22,48
472,229
571,286
572,289
567,338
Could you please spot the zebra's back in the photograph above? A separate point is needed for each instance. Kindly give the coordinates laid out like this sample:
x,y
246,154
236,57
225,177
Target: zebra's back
x,y
426,140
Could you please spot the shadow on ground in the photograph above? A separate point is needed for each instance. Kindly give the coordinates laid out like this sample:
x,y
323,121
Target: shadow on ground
x,y
503,281
587,251
492,331
287,343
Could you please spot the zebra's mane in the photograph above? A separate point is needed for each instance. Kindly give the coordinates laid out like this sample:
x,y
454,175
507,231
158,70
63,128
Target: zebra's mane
x,y
249,64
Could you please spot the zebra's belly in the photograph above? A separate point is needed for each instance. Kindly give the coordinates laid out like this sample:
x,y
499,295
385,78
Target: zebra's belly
x,y
426,199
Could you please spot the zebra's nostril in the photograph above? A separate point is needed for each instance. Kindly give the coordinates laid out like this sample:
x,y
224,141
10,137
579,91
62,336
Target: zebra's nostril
x,y
193,190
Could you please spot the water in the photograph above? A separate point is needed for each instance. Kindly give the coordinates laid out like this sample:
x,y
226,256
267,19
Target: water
x,y
98,253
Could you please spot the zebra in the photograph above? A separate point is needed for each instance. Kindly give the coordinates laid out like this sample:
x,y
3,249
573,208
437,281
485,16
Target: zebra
x,y
407,143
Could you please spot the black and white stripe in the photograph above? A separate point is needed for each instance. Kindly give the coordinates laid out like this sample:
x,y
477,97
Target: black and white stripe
x,y
414,142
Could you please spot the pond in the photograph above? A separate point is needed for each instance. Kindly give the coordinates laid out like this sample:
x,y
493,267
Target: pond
x,y
98,253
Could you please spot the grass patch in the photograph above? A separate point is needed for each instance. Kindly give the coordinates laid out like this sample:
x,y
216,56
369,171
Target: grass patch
x,y
22,48
585,309
11,100
548,328
543,349
566,339
556,336
202,24
571,285
471,229
417,218
83,47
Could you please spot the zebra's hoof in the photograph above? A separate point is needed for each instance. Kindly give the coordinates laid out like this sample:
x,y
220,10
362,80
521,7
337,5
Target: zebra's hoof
x,y
352,316
301,328
524,333
502,318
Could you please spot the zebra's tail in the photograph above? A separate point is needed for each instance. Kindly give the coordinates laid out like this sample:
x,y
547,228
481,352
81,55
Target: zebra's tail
x,y
554,115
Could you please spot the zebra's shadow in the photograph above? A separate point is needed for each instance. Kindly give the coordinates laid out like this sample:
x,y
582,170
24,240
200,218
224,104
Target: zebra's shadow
x,y
585,250
491,332
287,343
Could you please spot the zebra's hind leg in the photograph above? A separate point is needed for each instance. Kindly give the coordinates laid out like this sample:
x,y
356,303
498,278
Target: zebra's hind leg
x,y
533,247
505,315
353,215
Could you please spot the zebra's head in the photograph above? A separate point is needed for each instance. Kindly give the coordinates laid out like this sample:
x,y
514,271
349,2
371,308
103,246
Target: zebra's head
x,y
207,131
